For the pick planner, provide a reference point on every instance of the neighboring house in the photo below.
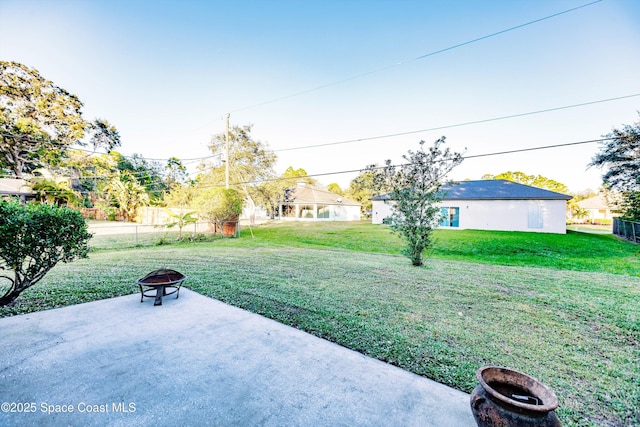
(597, 209)
(16, 188)
(493, 205)
(304, 202)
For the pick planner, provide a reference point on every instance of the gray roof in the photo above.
(493, 189)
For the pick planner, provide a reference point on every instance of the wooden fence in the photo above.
(627, 229)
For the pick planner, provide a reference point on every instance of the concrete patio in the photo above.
(196, 361)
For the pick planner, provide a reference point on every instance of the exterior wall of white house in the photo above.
(345, 213)
(540, 216)
(595, 215)
(320, 212)
(597, 210)
(380, 209)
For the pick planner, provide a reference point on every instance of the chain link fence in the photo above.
(114, 234)
(627, 229)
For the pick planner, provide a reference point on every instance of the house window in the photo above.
(450, 217)
(535, 217)
(323, 211)
(288, 211)
(306, 211)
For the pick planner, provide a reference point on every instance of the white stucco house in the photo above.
(304, 202)
(12, 187)
(598, 209)
(493, 205)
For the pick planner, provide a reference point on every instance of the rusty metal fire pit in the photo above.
(506, 397)
(159, 281)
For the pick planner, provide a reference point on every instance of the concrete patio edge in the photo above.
(197, 361)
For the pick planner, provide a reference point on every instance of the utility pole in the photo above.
(226, 141)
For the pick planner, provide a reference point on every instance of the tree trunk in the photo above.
(13, 158)
(251, 203)
(9, 298)
(18, 285)
(252, 210)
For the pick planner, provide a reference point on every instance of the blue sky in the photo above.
(165, 73)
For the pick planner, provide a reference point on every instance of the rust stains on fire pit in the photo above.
(158, 281)
(506, 397)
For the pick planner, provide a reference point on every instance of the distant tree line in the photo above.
(72, 161)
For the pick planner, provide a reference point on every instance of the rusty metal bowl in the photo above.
(159, 281)
(162, 276)
(506, 397)
(503, 384)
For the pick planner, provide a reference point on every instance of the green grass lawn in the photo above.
(562, 308)
(573, 251)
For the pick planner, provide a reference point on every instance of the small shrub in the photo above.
(33, 239)
(220, 205)
(602, 222)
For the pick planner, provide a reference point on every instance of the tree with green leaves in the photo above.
(335, 189)
(148, 173)
(620, 156)
(219, 205)
(291, 176)
(271, 193)
(361, 189)
(538, 181)
(176, 173)
(39, 121)
(93, 171)
(127, 195)
(250, 161)
(55, 192)
(33, 239)
(88, 172)
(415, 189)
(180, 220)
(574, 211)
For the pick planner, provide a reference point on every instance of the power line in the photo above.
(411, 132)
(350, 141)
(507, 30)
(497, 153)
(475, 122)
(544, 147)
(397, 64)
(387, 68)
(133, 156)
